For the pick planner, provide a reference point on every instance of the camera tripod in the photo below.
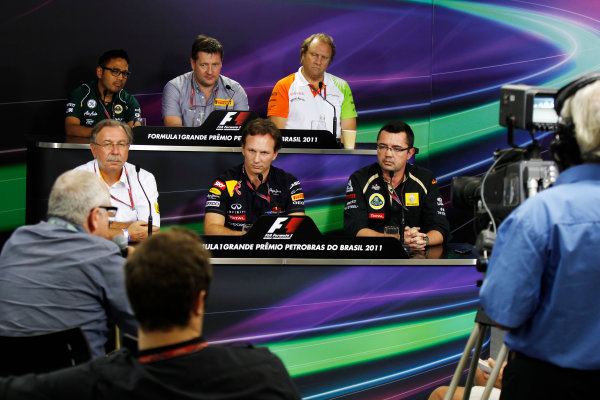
(482, 324)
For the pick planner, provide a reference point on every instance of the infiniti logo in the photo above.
(236, 206)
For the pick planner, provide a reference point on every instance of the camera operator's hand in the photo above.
(414, 239)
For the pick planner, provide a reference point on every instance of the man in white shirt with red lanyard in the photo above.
(130, 188)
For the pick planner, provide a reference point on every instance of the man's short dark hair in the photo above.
(164, 277)
(260, 126)
(207, 45)
(397, 127)
(322, 37)
(112, 54)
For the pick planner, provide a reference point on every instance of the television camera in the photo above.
(516, 173)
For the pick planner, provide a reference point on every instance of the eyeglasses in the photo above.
(111, 211)
(396, 149)
(116, 72)
(109, 145)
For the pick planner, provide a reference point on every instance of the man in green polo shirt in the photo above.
(103, 98)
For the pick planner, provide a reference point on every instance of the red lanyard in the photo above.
(392, 191)
(104, 108)
(262, 196)
(192, 95)
(128, 189)
(315, 91)
(172, 353)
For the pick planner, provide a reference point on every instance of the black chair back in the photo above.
(43, 353)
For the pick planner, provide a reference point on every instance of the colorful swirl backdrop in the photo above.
(437, 64)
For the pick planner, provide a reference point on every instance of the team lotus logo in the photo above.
(283, 228)
(91, 103)
(118, 109)
(376, 201)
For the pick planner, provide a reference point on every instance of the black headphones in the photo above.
(564, 148)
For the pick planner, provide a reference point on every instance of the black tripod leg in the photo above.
(474, 361)
(478, 330)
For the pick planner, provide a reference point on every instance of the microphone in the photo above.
(122, 243)
(230, 89)
(334, 112)
(402, 206)
(137, 170)
(260, 178)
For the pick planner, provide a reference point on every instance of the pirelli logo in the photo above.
(299, 196)
(224, 102)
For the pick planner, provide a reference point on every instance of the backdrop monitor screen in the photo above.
(349, 331)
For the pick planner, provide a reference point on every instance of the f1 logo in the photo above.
(228, 117)
(277, 224)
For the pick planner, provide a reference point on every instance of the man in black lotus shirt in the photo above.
(411, 201)
(167, 279)
(245, 192)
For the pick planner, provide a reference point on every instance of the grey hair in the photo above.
(111, 122)
(583, 108)
(74, 194)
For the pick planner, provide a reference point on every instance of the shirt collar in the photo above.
(304, 82)
(72, 226)
(162, 349)
(122, 179)
(197, 87)
(577, 173)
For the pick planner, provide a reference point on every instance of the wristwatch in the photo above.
(426, 241)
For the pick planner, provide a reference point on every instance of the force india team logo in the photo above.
(376, 201)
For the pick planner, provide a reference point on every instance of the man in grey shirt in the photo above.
(188, 99)
(64, 272)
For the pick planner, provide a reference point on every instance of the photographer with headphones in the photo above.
(543, 278)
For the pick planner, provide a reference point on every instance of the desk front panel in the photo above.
(348, 329)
